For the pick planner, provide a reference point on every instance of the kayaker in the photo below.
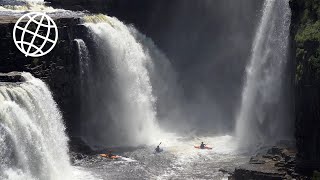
(158, 148)
(110, 154)
(202, 146)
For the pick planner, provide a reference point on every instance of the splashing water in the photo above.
(123, 105)
(262, 117)
(32, 133)
(34, 144)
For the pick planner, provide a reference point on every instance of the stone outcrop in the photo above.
(305, 33)
(277, 163)
(12, 77)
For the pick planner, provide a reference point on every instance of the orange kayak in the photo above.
(112, 157)
(206, 147)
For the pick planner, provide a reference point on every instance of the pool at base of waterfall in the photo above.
(179, 160)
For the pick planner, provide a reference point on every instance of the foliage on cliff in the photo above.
(306, 33)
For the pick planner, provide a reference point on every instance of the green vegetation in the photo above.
(309, 32)
(307, 38)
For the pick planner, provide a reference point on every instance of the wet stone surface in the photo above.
(277, 163)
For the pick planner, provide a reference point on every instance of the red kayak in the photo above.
(206, 147)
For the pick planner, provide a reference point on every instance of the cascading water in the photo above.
(262, 118)
(165, 86)
(122, 103)
(83, 59)
(32, 133)
(86, 84)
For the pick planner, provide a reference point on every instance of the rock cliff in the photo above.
(59, 69)
(305, 33)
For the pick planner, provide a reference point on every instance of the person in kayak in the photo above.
(110, 154)
(202, 146)
(158, 148)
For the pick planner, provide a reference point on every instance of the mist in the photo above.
(208, 44)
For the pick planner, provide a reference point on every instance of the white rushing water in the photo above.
(261, 118)
(121, 105)
(33, 141)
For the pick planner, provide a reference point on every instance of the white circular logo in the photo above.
(35, 34)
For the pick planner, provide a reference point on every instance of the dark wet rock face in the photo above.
(59, 69)
(305, 34)
(78, 145)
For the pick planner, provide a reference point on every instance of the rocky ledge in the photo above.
(12, 77)
(59, 69)
(277, 163)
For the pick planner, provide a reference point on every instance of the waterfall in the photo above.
(121, 102)
(165, 85)
(32, 134)
(262, 117)
(84, 61)
(83, 53)
(86, 85)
